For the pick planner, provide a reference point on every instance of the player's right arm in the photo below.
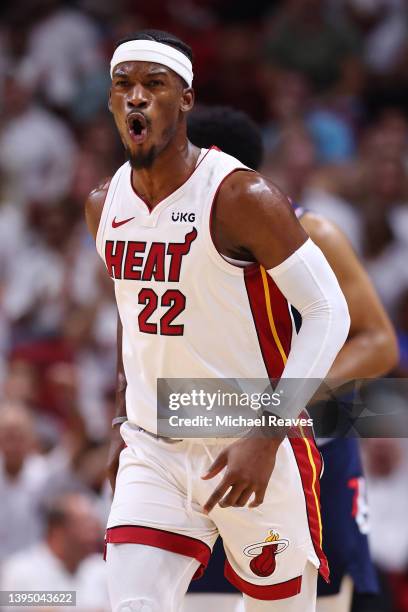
(116, 442)
(94, 206)
(93, 211)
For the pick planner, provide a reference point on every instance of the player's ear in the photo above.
(187, 100)
(110, 101)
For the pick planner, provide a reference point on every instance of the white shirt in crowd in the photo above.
(38, 569)
(388, 270)
(38, 168)
(388, 499)
(20, 521)
(74, 41)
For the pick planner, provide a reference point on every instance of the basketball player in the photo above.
(370, 351)
(172, 226)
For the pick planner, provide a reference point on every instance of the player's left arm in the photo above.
(254, 220)
(371, 348)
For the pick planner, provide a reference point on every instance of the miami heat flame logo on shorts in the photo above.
(263, 562)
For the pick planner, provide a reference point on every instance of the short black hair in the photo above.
(159, 36)
(231, 130)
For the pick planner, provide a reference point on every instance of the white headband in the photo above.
(152, 51)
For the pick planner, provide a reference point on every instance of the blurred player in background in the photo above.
(185, 303)
(370, 351)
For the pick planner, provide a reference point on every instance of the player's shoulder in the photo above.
(94, 205)
(247, 204)
(250, 186)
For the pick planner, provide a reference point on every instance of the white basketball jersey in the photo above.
(186, 312)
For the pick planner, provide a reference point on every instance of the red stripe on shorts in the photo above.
(309, 463)
(268, 592)
(167, 540)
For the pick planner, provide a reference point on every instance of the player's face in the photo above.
(147, 101)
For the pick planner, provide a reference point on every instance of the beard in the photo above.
(142, 159)
(139, 160)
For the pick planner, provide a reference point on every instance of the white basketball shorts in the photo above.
(159, 498)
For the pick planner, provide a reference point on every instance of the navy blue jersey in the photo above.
(345, 518)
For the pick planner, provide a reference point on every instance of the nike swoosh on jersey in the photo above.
(119, 223)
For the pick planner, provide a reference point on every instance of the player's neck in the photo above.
(168, 172)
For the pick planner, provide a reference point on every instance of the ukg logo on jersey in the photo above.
(182, 217)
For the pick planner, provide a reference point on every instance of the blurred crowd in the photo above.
(327, 82)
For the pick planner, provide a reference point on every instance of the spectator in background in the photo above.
(293, 162)
(386, 472)
(90, 329)
(290, 102)
(62, 52)
(385, 219)
(49, 274)
(21, 384)
(234, 78)
(23, 476)
(28, 474)
(37, 149)
(68, 559)
(382, 27)
(59, 307)
(13, 233)
(368, 199)
(69, 450)
(301, 37)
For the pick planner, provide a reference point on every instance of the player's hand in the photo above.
(249, 463)
(115, 447)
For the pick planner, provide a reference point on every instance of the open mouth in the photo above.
(137, 127)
